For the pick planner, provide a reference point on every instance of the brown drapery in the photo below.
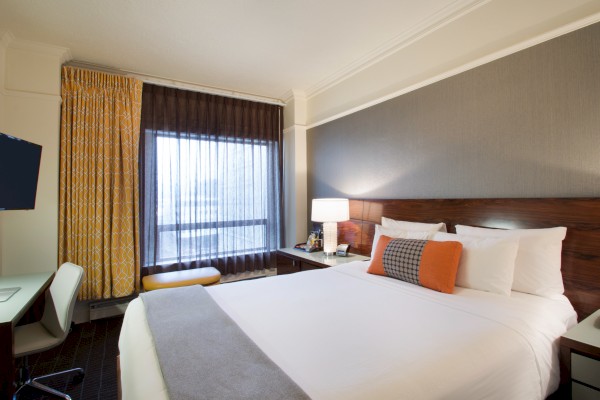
(99, 197)
(212, 187)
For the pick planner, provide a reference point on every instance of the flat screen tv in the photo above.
(19, 169)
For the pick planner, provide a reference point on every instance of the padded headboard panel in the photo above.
(581, 216)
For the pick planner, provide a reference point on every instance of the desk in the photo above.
(11, 311)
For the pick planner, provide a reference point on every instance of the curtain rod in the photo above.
(173, 83)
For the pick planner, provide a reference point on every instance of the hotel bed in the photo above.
(342, 333)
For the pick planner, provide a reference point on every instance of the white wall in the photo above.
(30, 109)
(295, 170)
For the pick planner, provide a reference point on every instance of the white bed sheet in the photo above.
(341, 333)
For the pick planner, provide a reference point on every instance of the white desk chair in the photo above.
(54, 326)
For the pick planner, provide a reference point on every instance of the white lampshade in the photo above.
(330, 210)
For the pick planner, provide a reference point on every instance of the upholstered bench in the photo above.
(199, 276)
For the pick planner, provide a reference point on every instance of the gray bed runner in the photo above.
(204, 354)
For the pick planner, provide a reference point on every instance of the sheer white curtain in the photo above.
(212, 181)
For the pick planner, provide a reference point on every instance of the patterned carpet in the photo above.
(92, 346)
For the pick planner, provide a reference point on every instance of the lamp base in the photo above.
(329, 237)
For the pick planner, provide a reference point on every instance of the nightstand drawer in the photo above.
(585, 369)
(304, 266)
(581, 392)
(287, 265)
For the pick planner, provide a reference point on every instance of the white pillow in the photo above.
(397, 234)
(486, 264)
(537, 267)
(412, 226)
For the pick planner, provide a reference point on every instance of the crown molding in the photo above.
(177, 84)
(62, 53)
(204, 89)
(287, 96)
(427, 26)
(582, 23)
(294, 94)
(299, 94)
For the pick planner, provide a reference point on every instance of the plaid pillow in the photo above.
(421, 262)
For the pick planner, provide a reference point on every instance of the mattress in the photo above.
(341, 333)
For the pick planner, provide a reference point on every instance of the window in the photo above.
(211, 189)
(202, 215)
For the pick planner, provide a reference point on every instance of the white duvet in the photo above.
(341, 333)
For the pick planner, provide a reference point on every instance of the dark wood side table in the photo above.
(290, 260)
(580, 355)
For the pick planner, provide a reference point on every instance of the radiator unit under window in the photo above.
(108, 308)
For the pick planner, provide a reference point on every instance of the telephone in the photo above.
(343, 250)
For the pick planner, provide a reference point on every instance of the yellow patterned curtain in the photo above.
(98, 216)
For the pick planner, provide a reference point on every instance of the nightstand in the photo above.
(580, 353)
(290, 260)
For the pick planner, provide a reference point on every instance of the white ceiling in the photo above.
(260, 47)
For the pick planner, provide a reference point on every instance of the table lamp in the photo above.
(330, 212)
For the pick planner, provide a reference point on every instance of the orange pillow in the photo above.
(421, 262)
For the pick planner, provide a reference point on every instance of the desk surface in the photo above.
(11, 311)
(31, 286)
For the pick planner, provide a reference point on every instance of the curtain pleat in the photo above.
(212, 182)
(99, 184)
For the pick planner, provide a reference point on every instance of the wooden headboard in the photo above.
(581, 216)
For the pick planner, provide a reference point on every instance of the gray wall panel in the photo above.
(526, 125)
